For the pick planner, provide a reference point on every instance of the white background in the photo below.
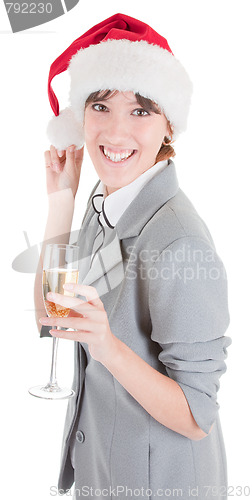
(213, 162)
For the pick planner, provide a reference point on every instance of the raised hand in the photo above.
(63, 169)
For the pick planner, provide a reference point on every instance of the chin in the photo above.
(114, 184)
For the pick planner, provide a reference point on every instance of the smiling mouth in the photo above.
(117, 157)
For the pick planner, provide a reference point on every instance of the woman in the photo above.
(151, 307)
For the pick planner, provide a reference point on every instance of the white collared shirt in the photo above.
(117, 202)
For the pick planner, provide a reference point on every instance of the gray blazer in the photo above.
(170, 307)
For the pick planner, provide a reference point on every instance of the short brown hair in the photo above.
(166, 151)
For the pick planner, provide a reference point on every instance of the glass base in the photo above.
(51, 392)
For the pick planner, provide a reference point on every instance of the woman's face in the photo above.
(122, 138)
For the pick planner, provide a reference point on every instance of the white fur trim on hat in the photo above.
(124, 65)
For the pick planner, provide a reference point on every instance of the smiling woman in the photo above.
(122, 137)
(148, 323)
(166, 150)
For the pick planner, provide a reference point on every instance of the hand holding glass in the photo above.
(60, 267)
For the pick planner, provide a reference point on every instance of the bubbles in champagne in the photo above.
(53, 281)
(56, 311)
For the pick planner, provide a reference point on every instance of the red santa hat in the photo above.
(119, 53)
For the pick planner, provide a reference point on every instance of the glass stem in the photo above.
(53, 381)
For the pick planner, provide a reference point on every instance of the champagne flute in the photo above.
(60, 267)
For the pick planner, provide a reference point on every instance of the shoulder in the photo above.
(177, 219)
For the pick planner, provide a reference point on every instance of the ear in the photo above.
(169, 130)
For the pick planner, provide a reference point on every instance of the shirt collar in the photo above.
(111, 207)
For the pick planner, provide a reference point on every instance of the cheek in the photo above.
(151, 137)
(151, 133)
(143, 133)
(90, 127)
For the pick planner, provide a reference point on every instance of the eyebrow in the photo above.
(130, 103)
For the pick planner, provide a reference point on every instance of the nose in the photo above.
(117, 129)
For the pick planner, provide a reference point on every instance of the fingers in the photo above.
(47, 159)
(88, 324)
(79, 157)
(69, 302)
(52, 159)
(80, 336)
(55, 159)
(89, 292)
(76, 304)
(70, 158)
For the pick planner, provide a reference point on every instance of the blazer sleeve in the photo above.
(189, 313)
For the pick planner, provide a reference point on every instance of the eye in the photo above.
(99, 107)
(140, 112)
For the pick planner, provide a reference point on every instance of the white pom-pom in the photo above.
(64, 130)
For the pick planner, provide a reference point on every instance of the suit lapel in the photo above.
(107, 271)
(85, 242)
(160, 188)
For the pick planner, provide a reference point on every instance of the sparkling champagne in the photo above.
(53, 281)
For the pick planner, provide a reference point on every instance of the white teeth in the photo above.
(116, 157)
